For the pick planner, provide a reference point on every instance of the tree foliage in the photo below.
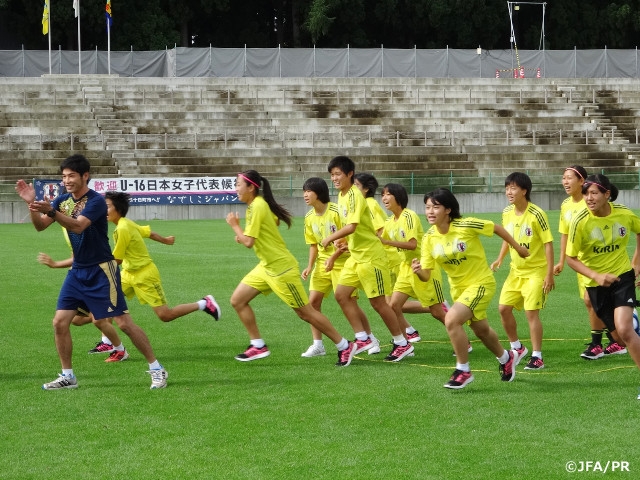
(157, 24)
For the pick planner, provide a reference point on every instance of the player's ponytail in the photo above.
(257, 180)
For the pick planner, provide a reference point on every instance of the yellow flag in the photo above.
(45, 18)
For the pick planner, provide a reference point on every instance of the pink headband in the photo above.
(249, 180)
(579, 174)
(590, 182)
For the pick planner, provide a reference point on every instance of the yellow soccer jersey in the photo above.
(531, 230)
(377, 213)
(568, 210)
(318, 227)
(129, 244)
(261, 225)
(364, 244)
(459, 251)
(406, 227)
(602, 241)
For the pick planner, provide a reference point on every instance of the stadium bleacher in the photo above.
(467, 132)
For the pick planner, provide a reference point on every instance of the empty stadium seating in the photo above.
(465, 133)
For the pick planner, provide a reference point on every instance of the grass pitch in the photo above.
(287, 417)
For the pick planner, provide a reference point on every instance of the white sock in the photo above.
(400, 340)
(201, 304)
(463, 366)
(258, 343)
(318, 343)
(67, 372)
(362, 336)
(504, 358)
(344, 343)
(516, 344)
(106, 340)
(537, 354)
(410, 330)
(372, 337)
(120, 348)
(155, 366)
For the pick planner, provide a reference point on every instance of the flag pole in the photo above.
(49, 34)
(79, 49)
(109, 46)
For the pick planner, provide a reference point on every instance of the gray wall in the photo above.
(470, 203)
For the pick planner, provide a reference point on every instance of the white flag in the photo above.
(76, 7)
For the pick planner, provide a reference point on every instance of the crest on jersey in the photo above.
(50, 191)
(528, 232)
(461, 246)
(622, 231)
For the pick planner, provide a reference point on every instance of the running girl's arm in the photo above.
(343, 232)
(549, 283)
(503, 253)
(422, 273)
(506, 236)
(159, 238)
(635, 261)
(45, 259)
(330, 262)
(602, 279)
(412, 244)
(563, 254)
(233, 219)
(313, 256)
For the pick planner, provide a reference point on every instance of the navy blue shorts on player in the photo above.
(96, 288)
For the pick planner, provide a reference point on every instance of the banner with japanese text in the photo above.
(158, 191)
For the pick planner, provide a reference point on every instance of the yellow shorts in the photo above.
(371, 277)
(427, 293)
(286, 285)
(145, 284)
(519, 291)
(394, 272)
(323, 281)
(476, 297)
(582, 285)
(326, 282)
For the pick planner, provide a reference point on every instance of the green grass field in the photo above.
(287, 417)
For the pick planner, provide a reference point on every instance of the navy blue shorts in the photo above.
(96, 288)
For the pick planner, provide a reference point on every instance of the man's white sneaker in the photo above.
(158, 378)
(63, 381)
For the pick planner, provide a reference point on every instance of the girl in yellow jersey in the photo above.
(530, 279)
(403, 232)
(278, 270)
(367, 268)
(597, 249)
(453, 243)
(368, 185)
(572, 181)
(325, 263)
